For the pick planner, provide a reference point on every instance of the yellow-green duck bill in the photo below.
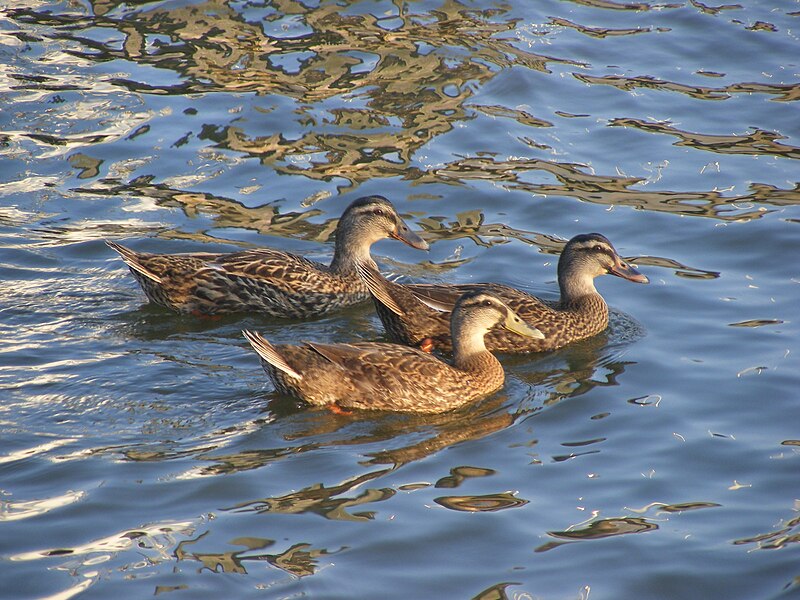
(382, 376)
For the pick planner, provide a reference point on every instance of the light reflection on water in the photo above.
(144, 453)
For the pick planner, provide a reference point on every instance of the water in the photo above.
(146, 454)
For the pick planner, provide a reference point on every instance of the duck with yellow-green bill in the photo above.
(382, 376)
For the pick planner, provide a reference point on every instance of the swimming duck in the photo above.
(383, 376)
(413, 314)
(271, 281)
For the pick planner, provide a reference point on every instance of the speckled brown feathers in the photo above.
(270, 281)
(412, 313)
(262, 281)
(380, 376)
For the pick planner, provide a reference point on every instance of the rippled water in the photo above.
(145, 454)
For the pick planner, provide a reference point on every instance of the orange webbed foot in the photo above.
(426, 345)
(205, 316)
(338, 410)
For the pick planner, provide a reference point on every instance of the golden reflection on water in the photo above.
(459, 474)
(498, 592)
(481, 503)
(447, 432)
(575, 182)
(782, 92)
(267, 219)
(600, 528)
(788, 532)
(675, 508)
(320, 499)
(223, 212)
(609, 4)
(403, 439)
(756, 142)
(372, 91)
(395, 86)
(368, 94)
(299, 560)
(599, 32)
(337, 501)
(611, 527)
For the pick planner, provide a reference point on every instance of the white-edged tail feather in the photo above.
(269, 354)
(129, 258)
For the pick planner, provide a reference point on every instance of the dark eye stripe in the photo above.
(488, 302)
(596, 248)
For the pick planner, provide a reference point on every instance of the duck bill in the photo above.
(514, 323)
(624, 270)
(405, 235)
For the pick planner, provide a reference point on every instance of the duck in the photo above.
(270, 281)
(416, 314)
(394, 377)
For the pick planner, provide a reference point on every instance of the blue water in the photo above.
(145, 453)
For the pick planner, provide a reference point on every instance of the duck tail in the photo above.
(269, 353)
(379, 288)
(132, 259)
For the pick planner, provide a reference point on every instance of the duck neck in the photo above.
(351, 247)
(469, 347)
(574, 284)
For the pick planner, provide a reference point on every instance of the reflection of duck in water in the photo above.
(382, 376)
(412, 314)
(271, 281)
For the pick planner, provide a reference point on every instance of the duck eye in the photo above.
(487, 302)
(378, 212)
(599, 248)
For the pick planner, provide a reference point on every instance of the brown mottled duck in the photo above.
(270, 281)
(412, 314)
(382, 376)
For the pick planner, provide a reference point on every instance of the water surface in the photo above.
(145, 453)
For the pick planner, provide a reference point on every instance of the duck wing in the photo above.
(281, 270)
(380, 369)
